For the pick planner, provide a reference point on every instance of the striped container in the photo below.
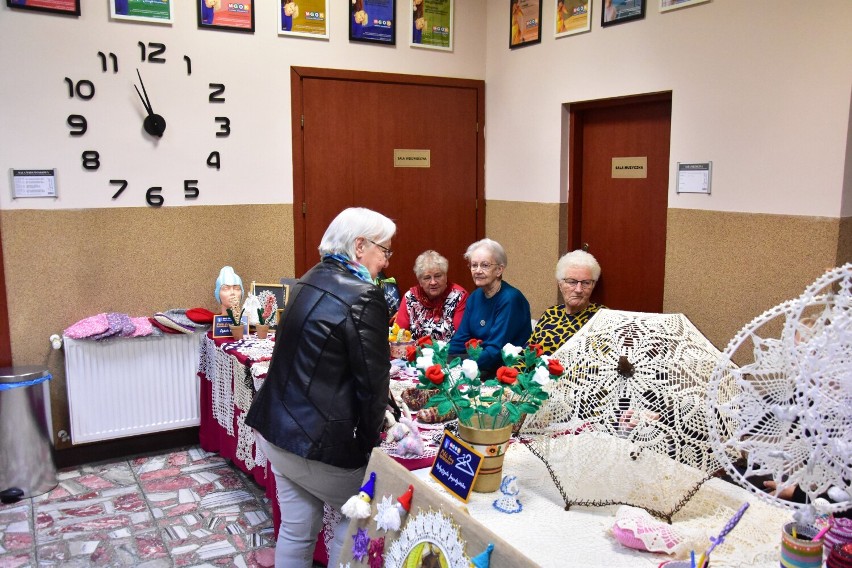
(839, 533)
(801, 551)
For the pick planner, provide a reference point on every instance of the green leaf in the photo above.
(463, 403)
(444, 407)
(528, 408)
(465, 414)
(438, 398)
(494, 409)
(512, 410)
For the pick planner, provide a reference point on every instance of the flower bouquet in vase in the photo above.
(486, 410)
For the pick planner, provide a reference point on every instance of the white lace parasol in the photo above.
(627, 424)
(792, 413)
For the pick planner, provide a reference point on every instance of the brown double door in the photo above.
(346, 126)
(621, 221)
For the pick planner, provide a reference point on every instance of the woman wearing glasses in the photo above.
(496, 312)
(320, 409)
(434, 308)
(576, 274)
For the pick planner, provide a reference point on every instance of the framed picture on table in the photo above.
(573, 17)
(524, 23)
(68, 7)
(666, 5)
(373, 21)
(620, 11)
(224, 15)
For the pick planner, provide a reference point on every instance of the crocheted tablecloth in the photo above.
(236, 370)
(582, 537)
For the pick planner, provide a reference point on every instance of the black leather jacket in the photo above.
(325, 394)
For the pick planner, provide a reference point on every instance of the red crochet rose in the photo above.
(473, 344)
(410, 353)
(435, 374)
(424, 341)
(554, 367)
(507, 375)
(539, 350)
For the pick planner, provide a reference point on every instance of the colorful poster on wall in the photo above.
(524, 22)
(306, 18)
(157, 11)
(226, 15)
(372, 21)
(432, 24)
(573, 17)
(70, 7)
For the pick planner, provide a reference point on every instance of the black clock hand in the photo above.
(154, 124)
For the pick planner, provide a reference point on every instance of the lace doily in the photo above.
(792, 411)
(435, 530)
(629, 410)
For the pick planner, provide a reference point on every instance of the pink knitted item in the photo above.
(635, 528)
(143, 326)
(87, 327)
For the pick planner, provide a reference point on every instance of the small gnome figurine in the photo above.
(358, 506)
(483, 559)
(390, 518)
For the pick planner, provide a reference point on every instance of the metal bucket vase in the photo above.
(492, 444)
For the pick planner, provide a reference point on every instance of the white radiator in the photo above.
(126, 387)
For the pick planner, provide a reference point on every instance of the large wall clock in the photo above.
(160, 86)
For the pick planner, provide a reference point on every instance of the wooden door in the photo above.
(5, 341)
(346, 127)
(622, 221)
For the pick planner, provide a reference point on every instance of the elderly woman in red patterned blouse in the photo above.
(434, 307)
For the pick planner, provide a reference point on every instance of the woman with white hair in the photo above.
(496, 313)
(576, 275)
(434, 308)
(319, 412)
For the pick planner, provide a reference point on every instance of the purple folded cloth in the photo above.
(119, 326)
(167, 321)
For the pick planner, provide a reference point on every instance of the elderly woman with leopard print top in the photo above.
(434, 307)
(576, 274)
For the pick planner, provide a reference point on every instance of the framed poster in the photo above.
(432, 24)
(666, 5)
(524, 22)
(307, 18)
(620, 11)
(573, 17)
(372, 21)
(225, 15)
(142, 11)
(68, 7)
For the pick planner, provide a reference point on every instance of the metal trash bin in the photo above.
(27, 467)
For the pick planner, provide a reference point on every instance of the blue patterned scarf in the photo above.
(355, 268)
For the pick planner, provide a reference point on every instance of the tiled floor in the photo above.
(182, 508)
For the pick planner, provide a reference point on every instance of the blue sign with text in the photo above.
(456, 466)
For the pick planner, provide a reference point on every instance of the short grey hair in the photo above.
(578, 259)
(351, 223)
(430, 259)
(493, 247)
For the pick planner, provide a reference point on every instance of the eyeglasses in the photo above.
(571, 283)
(388, 252)
(483, 265)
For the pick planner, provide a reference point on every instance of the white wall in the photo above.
(38, 50)
(760, 87)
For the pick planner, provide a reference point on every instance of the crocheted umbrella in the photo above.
(792, 413)
(628, 422)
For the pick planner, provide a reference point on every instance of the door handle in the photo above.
(585, 247)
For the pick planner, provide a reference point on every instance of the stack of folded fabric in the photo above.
(113, 324)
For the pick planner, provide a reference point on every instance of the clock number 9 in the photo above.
(78, 124)
(153, 197)
(84, 89)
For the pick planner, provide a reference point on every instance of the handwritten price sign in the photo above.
(456, 466)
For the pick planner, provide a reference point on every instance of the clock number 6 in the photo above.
(153, 197)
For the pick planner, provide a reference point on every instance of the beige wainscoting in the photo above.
(62, 266)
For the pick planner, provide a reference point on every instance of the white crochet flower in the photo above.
(511, 350)
(470, 368)
(542, 375)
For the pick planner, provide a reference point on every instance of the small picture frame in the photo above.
(667, 5)
(303, 18)
(66, 7)
(140, 11)
(432, 24)
(573, 17)
(621, 11)
(279, 292)
(372, 21)
(524, 23)
(225, 15)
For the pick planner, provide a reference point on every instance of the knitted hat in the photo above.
(483, 559)
(87, 327)
(168, 322)
(229, 277)
(200, 315)
(142, 326)
(369, 488)
(180, 316)
(161, 327)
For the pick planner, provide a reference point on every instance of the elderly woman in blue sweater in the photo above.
(496, 313)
